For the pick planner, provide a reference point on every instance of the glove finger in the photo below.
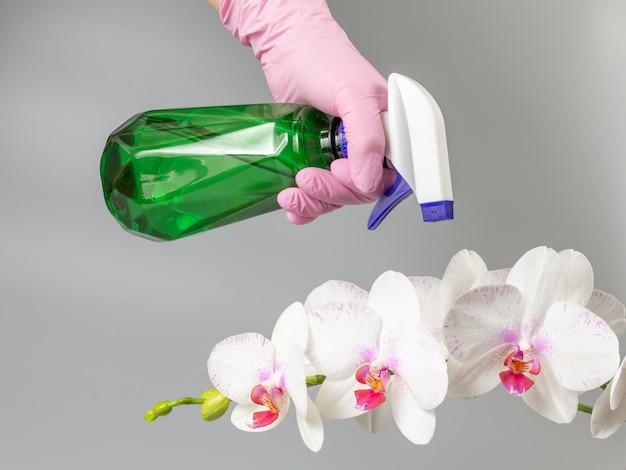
(366, 139)
(342, 172)
(324, 186)
(298, 219)
(299, 203)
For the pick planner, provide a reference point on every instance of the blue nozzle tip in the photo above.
(436, 211)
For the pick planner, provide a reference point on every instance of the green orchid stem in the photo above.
(163, 408)
(585, 408)
(313, 380)
(187, 401)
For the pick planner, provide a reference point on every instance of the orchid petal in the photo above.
(291, 328)
(581, 348)
(375, 420)
(342, 337)
(483, 319)
(618, 386)
(432, 312)
(416, 358)
(393, 297)
(242, 414)
(335, 398)
(309, 369)
(514, 383)
(335, 291)
(289, 338)
(473, 378)
(416, 424)
(461, 274)
(580, 276)
(606, 421)
(550, 399)
(609, 309)
(497, 276)
(240, 362)
(294, 378)
(541, 277)
(311, 427)
(368, 399)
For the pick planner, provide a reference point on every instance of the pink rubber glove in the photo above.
(308, 59)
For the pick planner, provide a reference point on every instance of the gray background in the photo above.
(96, 325)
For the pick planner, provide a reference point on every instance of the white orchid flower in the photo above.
(377, 358)
(264, 376)
(533, 334)
(465, 271)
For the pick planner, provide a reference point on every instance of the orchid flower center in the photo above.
(519, 363)
(272, 399)
(378, 382)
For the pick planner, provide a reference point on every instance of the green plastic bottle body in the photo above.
(173, 173)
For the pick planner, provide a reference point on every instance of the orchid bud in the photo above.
(162, 408)
(214, 406)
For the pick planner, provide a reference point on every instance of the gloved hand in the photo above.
(308, 59)
(321, 191)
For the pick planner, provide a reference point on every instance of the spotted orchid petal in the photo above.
(415, 423)
(609, 309)
(335, 291)
(496, 276)
(542, 278)
(240, 362)
(311, 427)
(483, 319)
(342, 337)
(581, 348)
(580, 276)
(465, 270)
(549, 398)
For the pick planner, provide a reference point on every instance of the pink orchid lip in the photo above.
(514, 380)
(378, 382)
(272, 399)
(368, 399)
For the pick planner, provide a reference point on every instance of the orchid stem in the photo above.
(585, 408)
(163, 408)
(187, 401)
(313, 380)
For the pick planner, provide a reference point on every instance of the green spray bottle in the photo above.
(168, 174)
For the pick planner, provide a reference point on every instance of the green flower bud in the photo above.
(162, 408)
(214, 406)
(150, 416)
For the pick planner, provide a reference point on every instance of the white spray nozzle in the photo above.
(416, 146)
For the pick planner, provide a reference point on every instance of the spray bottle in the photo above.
(173, 173)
